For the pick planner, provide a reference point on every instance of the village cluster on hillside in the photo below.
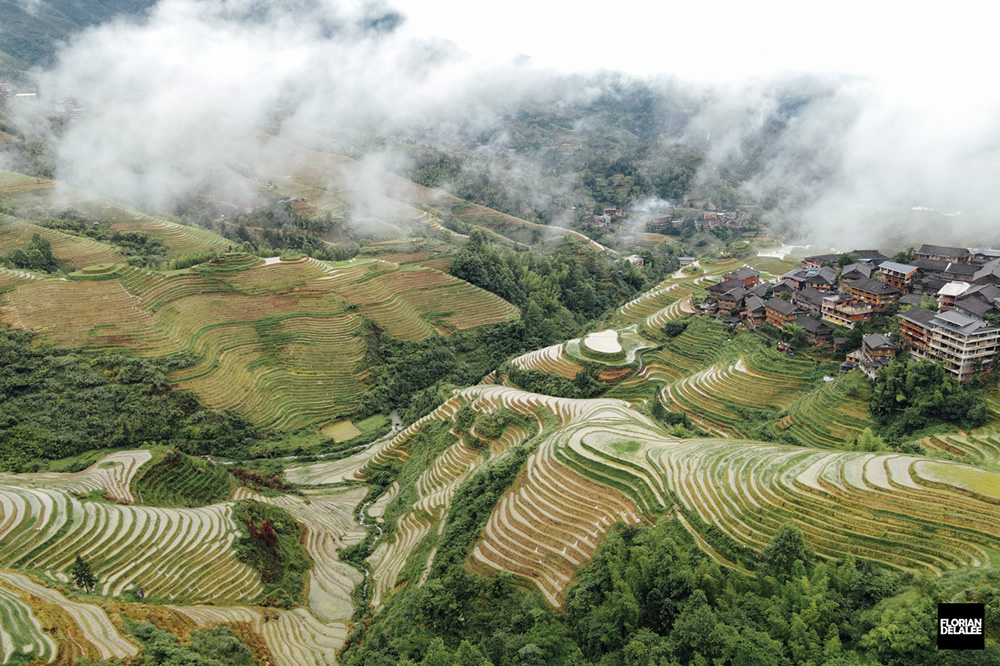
(658, 221)
(947, 299)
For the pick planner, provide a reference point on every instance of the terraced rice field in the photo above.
(549, 524)
(605, 462)
(434, 490)
(73, 252)
(171, 553)
(552, 360)
(12, 182)
(878, 507)
(713, 397)
(773, 265)
(11, 279)
(294, 638)
(82, 314)
(178, 238)
(182, 482)
(20, 632)
(831, 416)
(613, 348)
(102, 639)
(651, 302)
(981, 447)
(885, 507)
(384, 449)
(278, 343)
(113, 474)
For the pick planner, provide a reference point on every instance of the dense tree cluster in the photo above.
(37, 256)
(909, 396)
(271, 544)
(651, 597)
(584, 385)
(274, 226)
(557, 293)
(215, 646)
(55, 403)
(411, 376)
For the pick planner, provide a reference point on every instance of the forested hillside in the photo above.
(33, 31)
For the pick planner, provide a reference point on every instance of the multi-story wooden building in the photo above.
(877, 351)
(809, 299)
(747, 276)
(875, 293)
(816, 331)
(779, 312)
(900, 276)
(915, 330)
(959, 255)
(844, 311)
(754, 311)
(854, 272)
(823, 278)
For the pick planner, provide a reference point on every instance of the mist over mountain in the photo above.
(173, 98)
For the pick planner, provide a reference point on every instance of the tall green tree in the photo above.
(787, 547)
(82, 574)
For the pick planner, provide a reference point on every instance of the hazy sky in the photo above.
(912, 47)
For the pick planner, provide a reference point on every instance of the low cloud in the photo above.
(172, 99)
(169, 100)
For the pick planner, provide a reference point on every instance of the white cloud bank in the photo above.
(901, 113)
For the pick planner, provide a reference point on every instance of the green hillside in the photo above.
(33, 31)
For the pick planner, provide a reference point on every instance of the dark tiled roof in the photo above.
(823, 258)
(910, 299)
(741, 274)
(974, 306)
(943, 251)
(723, 287)
(877, 340)
(856, 271)
(759, 290)
(813, 326)
(784, 307)
(932, 284)
(825, 275)
(810, 295)
(784, 285)
(991, 269)
(918, 315)
(931, 265)
(753, 304)
(961, 270)
(737, 294)
(868, 254)
(872, 286)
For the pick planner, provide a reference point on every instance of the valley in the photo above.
(283, 342)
